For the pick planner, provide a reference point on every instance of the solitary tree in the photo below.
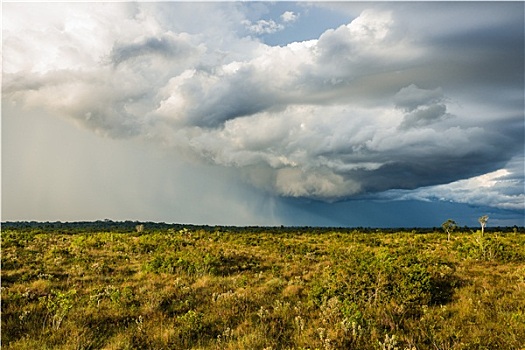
(449, 226)
(483, 222)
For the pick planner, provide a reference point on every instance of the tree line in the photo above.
(130, 226)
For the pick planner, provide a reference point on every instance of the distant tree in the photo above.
(483, 222)
(449, 226)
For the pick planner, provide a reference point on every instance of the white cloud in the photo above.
(263, 26)
(270, 26)
(289, 17)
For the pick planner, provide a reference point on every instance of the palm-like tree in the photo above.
(449, 226)
(483, 222)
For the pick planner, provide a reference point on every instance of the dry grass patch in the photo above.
(198, 289)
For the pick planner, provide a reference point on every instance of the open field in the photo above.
(192, 288)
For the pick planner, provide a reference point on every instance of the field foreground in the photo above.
(262, 289)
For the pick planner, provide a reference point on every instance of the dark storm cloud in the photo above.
(398, 98)
(424, 116)
(167, 46)
(422, 107)
(483, 49)
(411, 97)
(219, 100)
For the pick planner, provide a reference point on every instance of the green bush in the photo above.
(490, 248)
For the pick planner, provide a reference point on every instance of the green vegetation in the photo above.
(261, 288)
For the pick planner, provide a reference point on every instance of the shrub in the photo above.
(256, 289)
(58, 304)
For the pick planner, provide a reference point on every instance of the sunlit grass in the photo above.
(197, 289)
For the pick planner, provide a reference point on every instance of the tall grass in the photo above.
(197, 289)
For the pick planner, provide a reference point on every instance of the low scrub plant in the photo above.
(255, 288)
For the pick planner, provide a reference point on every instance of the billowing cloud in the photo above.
(378, 104)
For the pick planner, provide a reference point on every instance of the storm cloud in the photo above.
(386, 102)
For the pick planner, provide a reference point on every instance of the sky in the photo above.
(388, 114)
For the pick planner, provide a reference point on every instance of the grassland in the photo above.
(265, 289)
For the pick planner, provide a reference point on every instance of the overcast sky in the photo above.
(251, 113)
